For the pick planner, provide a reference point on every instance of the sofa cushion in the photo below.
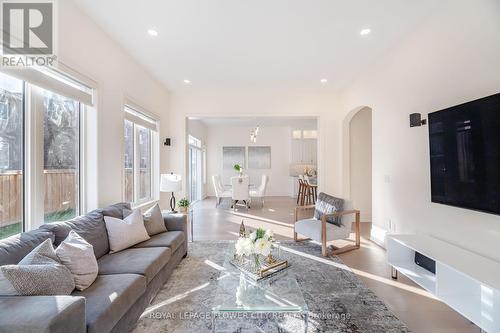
(116, 210)
(144, 261)
(171, 239)
(109, 298)
(36, 314)
(90, 227)
(15, 248)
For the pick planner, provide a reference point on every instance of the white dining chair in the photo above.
(240, 191)
(220, 191)
(260, 192)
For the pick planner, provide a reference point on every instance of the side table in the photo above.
(190, 217)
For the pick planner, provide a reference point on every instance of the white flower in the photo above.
(269, 234)
(253, 236)
(263, 246)
(244, 247)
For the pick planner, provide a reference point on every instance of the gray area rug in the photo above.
(337, 300)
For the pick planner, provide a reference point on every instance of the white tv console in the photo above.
(467, 282)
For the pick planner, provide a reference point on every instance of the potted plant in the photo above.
(183, 205)
(239, 169)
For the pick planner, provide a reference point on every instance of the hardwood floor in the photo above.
(412, 304)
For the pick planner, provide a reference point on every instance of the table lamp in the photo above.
(171, 183)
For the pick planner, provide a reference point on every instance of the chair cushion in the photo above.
(15, 248)
(109, 298)
(171, 239)
(226, 194)
(145, 261)
(312, 229)
(90, 227)
(327, 204)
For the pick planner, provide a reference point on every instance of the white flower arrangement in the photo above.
(258, 242)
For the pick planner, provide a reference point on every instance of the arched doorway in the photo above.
(357, 153)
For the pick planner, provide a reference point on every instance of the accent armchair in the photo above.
(330, 222)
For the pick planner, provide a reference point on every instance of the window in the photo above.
(61, 158)
(11, 155)
(40, 135)
(140, 157)
(129, 162)
(195, 169)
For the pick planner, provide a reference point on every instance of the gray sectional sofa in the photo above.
(126, 283)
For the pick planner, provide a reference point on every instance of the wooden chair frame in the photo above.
(324, 249)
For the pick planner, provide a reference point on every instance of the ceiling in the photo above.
(295, 122)
(277, 44)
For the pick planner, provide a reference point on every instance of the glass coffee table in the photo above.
(238, 295)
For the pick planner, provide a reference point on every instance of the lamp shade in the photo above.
(170, 183)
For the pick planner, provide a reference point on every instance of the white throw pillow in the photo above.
(125, 233)
(78, 256)
(153, 220)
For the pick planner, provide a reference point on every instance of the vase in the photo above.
(256, 263)
(183, 210)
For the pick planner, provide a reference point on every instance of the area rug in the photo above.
(337, 300)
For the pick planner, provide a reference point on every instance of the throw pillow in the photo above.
(125, 233)
(153, 221)
(78, 256)
(38, 274)
(327, 204)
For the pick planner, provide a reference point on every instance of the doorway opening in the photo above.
(358, 160)
(195, 171)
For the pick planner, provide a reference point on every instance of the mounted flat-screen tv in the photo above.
(465, 155)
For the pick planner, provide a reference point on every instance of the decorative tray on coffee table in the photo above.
(268, 266)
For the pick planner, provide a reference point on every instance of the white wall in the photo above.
(278, 138)
(257, 103)
(360, 137)
(452, 59)
(197, 129)
(85, 48)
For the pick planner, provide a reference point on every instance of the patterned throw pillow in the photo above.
(78, 256)
(38, 274)
(327, 204)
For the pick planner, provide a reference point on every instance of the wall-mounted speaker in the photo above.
(416, 120)
(167, 142)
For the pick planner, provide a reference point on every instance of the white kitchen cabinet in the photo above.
(304, 151)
